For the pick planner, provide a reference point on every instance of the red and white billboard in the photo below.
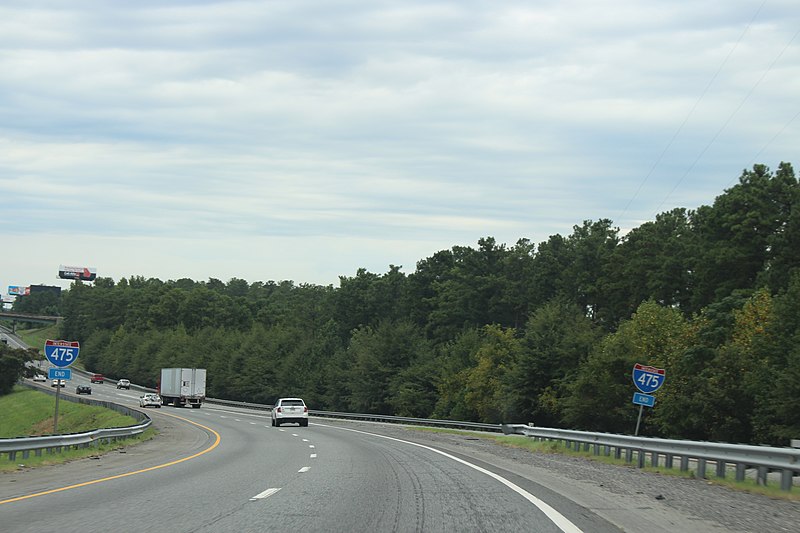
(17, 290)
(80, 273)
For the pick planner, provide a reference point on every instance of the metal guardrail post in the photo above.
(764, 459)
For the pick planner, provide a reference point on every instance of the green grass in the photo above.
(66, 456)
(748, 485)
(36, 337)
(28, 412)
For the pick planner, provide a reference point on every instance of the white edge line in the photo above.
(266, 494)
(563, 523)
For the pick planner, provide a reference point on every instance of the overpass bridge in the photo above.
(25, 317)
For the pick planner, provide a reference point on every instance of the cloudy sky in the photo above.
(304, 139)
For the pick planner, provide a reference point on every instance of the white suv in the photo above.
(290, 410)
(124, 384)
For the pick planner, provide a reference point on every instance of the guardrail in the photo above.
(451, 424)
(57, 443)
(764, 459)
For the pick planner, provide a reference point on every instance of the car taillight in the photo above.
(279, 410)
(305, 409)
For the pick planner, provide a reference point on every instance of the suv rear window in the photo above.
(293, 403)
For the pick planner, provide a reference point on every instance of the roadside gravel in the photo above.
(632, 499)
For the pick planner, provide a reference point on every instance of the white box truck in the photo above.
(182, 386)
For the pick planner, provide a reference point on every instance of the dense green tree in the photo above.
(738, 235)
(558, 338)
(12, 366)
(493, 332)
(455, 361)
(652, 262)
(587, 279)
(776, 346)
(378, 354)
(600, 395)
(38, 303)
(550, 264)
(486, 384)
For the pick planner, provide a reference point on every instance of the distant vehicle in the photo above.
(181, 386)
(58, 383)
(39, 377)
(123, 384)
(150, 400)
(83, 389)
(290, 410)
(97, 378)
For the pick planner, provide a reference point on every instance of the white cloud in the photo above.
(372, 132)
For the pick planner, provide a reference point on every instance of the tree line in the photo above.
(545, 333)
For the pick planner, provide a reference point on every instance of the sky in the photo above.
(302, 140)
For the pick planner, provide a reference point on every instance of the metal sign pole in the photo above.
(55, 418)
(638, 421)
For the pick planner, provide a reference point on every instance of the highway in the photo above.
(219, 469)
(229, 470)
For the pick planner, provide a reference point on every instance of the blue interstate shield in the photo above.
(647, 379)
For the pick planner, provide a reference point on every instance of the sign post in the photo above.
(647, 379)
(61, 354)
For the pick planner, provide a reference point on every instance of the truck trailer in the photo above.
(182, 386)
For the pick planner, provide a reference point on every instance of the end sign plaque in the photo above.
(61, 353)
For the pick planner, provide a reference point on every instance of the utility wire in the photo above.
(755, 157)
(691, 111)
(730, 117)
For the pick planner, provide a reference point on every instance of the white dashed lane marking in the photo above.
(266, 494)
(304, 469)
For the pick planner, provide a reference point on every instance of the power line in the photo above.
(691, 111)
(730, 117)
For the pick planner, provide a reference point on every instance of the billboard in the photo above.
(79, 273)
(16, 290)
(45, 288)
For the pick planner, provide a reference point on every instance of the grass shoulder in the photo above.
(74, 454)
(36, 337)
(29, 413)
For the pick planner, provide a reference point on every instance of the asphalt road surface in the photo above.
(218, 469)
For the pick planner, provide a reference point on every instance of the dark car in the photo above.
(83, 389)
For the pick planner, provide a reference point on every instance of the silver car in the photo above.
(290, 410)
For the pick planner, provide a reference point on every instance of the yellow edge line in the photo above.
(216, 443)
